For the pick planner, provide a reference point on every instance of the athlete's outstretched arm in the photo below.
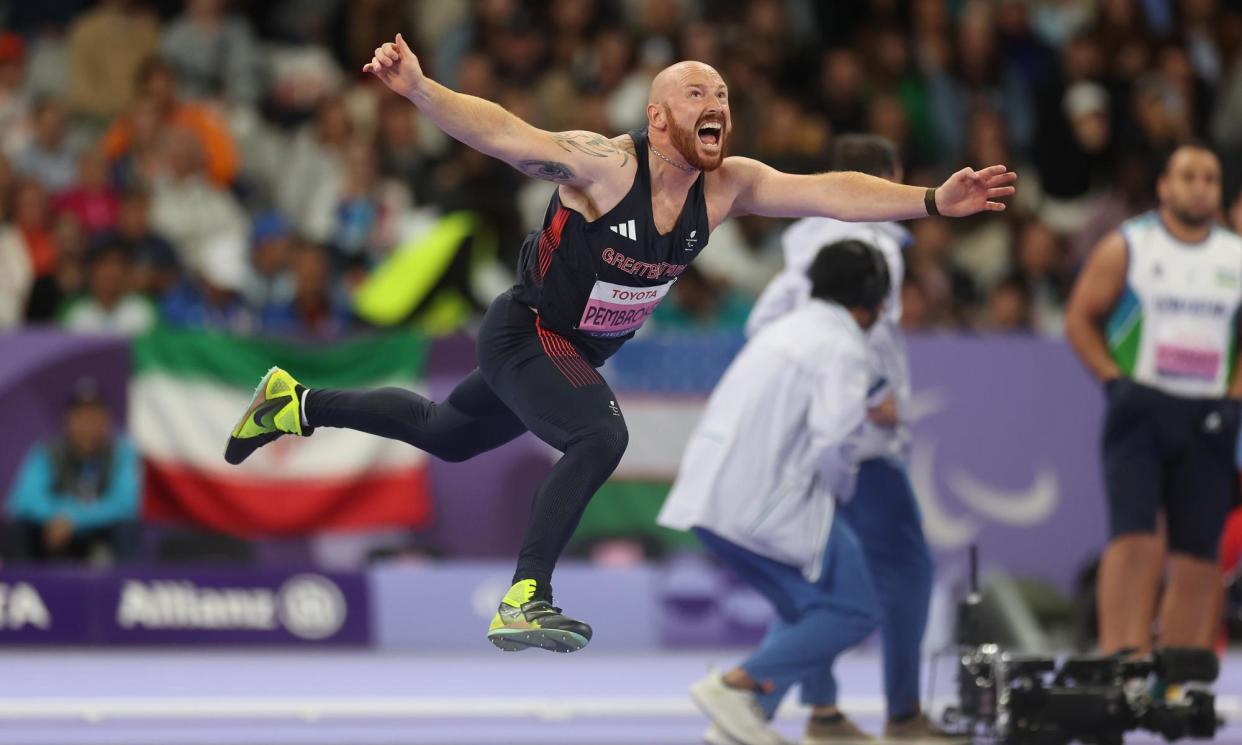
(577, 158)
(760, 189)
(1096, 292)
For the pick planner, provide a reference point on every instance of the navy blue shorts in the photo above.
(1165, 453)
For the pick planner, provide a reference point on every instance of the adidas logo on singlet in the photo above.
(626, 229)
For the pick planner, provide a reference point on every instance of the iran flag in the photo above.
(188, 391)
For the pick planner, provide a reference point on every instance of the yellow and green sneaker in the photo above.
(275, 410)
(524, 622)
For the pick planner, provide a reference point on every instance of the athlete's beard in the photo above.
(1193, 219)
(686, 142)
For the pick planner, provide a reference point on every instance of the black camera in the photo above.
(1035, 700)
(1029, 700)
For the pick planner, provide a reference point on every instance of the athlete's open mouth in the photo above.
(709, 133)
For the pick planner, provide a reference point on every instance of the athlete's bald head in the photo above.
(688, 111)
(671, 79)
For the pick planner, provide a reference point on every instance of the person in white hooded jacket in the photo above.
(758, 485)
(883, 511)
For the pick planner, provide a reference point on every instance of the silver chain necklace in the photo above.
(678, 166)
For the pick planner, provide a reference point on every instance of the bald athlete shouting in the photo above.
(630, 214)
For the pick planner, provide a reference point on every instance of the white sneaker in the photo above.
(716, 736)
(736, 713)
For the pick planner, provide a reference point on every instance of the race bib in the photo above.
(1185, 362)
(616, 310)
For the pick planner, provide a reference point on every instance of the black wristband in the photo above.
(929, 199)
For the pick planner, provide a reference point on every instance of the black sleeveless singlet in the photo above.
(595, 283)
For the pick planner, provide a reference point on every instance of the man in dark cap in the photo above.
(76, 496)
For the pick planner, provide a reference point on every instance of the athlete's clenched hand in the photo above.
(397, 66)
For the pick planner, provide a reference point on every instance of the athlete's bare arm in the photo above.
(578, 158)
(1235, 385)
(754, 188)
(1096, 292)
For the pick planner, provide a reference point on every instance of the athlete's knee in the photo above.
(439, 433)
(607, 440)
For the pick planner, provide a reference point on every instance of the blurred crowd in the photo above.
(227, 165)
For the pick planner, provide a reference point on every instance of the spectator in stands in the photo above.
(1040, 268)
(107, 46)
(210, 296)
(14, 101)
(977, 70)
(32, 216)
(154, 268)
(271, 281)
(1122, 31)
(841, 91)
(1076, 154)
(136, 166)
(358, 233)
(1029, 55)
(110, 306)
(213, 53)
(573, 24)
(77, 495)
(792, 139)
(948, 290)
(1009, 307)
(16, 268)
(915, 315)
(1159, 122)
(315, 310)
(91, 198)
(401, 156)
(158, 110)
(894, 74)
(48, 157)
(1228, 112)
(72, 247)
(310, 179)
(983, 247)
(746, 254)
(188, 208)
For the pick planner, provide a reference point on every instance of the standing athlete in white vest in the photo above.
(1154, 316)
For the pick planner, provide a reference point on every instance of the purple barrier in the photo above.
(621, 604)
(1004, 451)
(50, 606)
(1005, 454)
(191, 606)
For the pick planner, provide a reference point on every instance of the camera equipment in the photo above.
(1030, 700)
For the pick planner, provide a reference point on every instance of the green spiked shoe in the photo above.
(275, 410)
(522, 623)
